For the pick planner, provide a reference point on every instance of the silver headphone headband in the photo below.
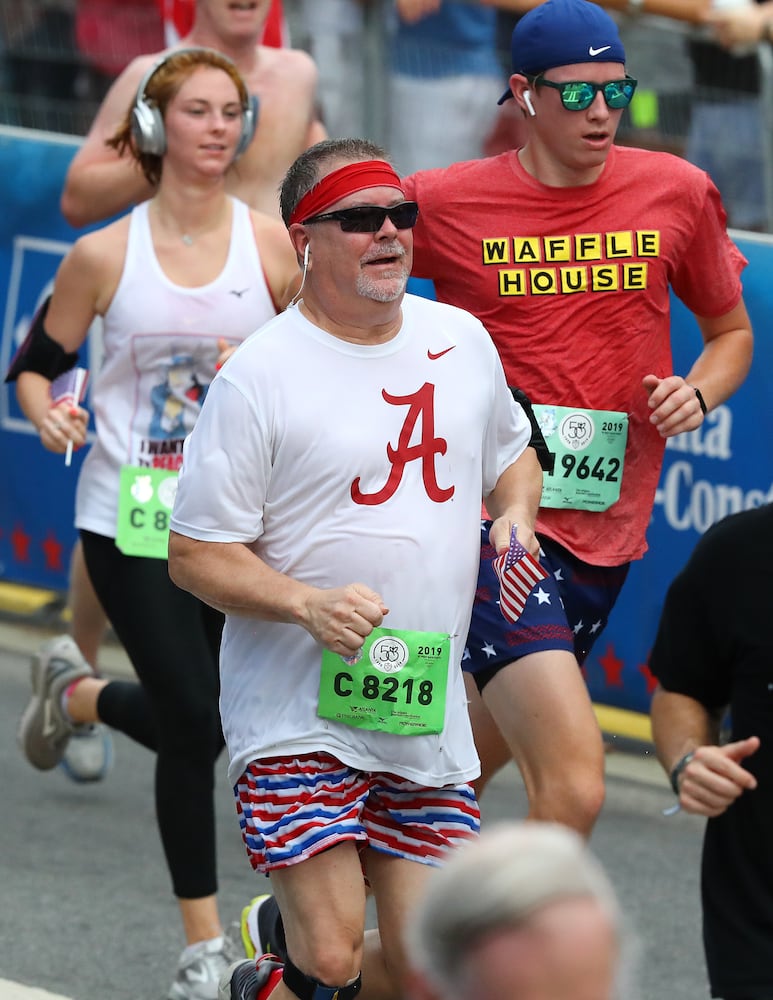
(150, 73)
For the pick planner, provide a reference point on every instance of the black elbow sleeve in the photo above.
(39, 353)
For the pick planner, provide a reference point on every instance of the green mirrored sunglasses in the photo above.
(577, 95)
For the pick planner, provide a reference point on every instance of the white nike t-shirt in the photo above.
(340, 463)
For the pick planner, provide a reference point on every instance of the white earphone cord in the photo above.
(297, 295)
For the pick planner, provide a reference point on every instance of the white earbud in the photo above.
(527, 102)
(306, 253)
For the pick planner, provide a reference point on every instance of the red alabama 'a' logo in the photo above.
(421, 404)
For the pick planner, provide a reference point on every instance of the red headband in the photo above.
(346, 180)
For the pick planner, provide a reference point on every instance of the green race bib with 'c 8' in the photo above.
(395, 684)
(589, 446)
(145, 504)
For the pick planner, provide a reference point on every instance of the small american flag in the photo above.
(518, 573)
(69, 387)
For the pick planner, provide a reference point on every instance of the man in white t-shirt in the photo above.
(329, 504)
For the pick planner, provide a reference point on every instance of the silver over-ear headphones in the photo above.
(527, 102)
(147, 122)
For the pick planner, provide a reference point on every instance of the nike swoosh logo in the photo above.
(434, 357)
(49, 726)
(597, 52)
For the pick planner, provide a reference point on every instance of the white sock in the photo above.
(64, 697)
(211, 944)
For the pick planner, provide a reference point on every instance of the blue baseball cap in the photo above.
(561, 33)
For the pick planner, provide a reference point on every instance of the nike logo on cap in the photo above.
(597, 52)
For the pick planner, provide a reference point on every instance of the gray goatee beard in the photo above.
(390, 285)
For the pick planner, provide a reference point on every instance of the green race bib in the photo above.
(145, 502)
(589, 446)
(395, 684)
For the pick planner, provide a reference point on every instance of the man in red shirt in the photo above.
(567, 250)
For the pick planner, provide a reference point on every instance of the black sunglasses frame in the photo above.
(628, 81)
(370, 218)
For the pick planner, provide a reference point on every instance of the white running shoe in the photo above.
(200, 969)
(44, 730)
(88, 755)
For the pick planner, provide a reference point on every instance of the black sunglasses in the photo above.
(370, 218)
(577, 95)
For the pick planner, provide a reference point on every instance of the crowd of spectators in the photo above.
(58, 58)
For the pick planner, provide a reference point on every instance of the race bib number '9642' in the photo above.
(145, 504)
(589, 446)
(396, 683)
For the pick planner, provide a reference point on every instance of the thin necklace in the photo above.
(185, 238)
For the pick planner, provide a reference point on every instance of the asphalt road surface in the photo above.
(86, 911)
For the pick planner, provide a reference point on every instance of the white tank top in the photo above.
(160, 351)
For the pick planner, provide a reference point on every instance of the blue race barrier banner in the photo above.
(37, 501)
(725, 466)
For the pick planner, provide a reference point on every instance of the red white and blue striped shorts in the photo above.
(291, 808)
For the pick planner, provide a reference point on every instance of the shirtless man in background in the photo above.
(100, 183)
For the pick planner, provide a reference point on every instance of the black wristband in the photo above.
(677, 769)
(701, 401)
(547, 458)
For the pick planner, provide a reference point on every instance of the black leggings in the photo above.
(172, 640)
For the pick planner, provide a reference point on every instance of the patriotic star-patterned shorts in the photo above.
(291, 808)
(567, 610)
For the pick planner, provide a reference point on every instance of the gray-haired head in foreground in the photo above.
(307, 169)
(501, 880)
